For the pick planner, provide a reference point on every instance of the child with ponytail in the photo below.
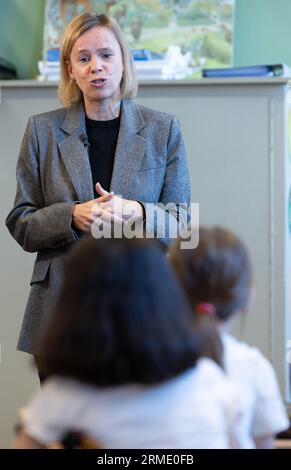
(217, 280)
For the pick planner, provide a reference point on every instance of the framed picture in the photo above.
(201, 29)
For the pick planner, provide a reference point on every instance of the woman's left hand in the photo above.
(119, 207)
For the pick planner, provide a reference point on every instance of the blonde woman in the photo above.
(98, 147)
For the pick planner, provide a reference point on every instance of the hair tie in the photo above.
(205, 307)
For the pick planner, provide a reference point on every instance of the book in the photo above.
(145, 54)
(266, 70)
(150, 69)
(49, 70)
(53, 55)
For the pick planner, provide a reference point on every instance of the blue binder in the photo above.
(272, 70)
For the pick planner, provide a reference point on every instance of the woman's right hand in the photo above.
(84, 214)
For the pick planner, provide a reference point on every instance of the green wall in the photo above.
(21, 34)
(262, 32)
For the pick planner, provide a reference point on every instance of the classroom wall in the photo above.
(262, 32)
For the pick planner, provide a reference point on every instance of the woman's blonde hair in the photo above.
(69, 92)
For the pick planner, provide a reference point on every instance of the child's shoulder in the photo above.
(246, 359)
(209, 372)
(214, 383)
(243, 350)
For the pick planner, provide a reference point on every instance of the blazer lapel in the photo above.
(129, 151)
(75, 154)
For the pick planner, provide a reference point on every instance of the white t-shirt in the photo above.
(253, 376)
(194, 410)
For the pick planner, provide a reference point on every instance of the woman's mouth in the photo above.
(99, 82)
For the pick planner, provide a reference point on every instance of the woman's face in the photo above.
(96, 65)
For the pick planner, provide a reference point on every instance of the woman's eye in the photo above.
(107, 55)
(84, 59)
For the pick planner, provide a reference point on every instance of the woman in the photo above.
(123, 359)
(135, 152)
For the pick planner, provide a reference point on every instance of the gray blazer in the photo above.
(53, 172)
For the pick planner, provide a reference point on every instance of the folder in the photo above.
(272, 70)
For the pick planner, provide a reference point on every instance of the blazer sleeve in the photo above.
(170, 216)
(34, 226)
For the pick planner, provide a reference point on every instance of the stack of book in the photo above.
(50, 67)
(49, 71)
(149, 65)
(150, 70)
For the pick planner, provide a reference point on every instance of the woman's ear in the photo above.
(69, 69)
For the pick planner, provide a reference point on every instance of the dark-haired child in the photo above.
(123, 360)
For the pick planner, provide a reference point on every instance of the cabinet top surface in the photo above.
(145, 83)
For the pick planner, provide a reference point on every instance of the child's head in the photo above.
(217, 272)
(121, 317)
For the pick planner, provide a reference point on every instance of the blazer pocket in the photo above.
(151, 168)
(40, 270)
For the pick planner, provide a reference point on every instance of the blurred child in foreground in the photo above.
(122, 358)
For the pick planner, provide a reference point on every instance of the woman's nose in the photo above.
(96, 64)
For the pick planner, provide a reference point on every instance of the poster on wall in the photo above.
(168, 38)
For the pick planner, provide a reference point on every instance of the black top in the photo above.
(102, 137)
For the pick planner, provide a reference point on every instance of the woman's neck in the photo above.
(102, 111)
